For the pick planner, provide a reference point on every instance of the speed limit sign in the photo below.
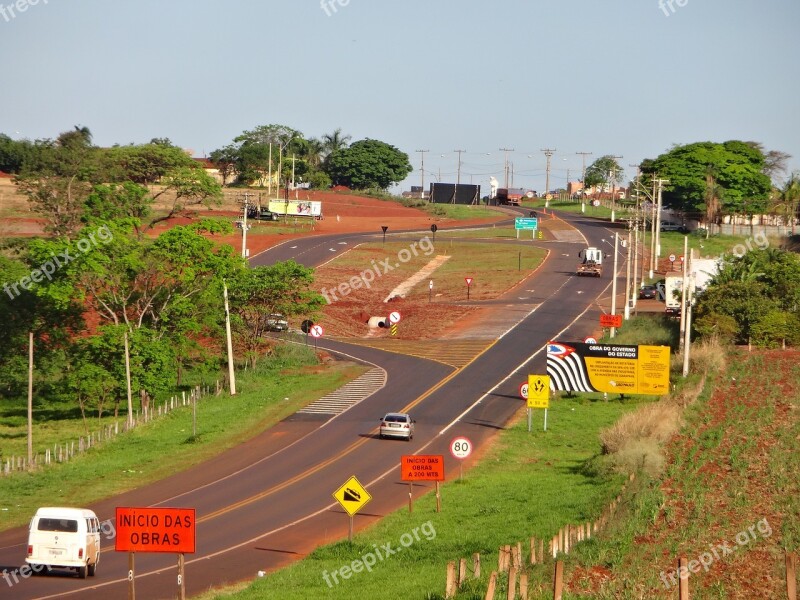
(461, 447)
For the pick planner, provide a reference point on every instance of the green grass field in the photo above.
(275, 389)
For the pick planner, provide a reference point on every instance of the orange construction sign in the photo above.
(155, 530)
(422, 467)
(610, 320)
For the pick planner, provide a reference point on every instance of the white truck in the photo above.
(591, 262)
(673, 288)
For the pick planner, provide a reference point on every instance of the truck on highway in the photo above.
(591, 262)
(512, 196)
(673, 288)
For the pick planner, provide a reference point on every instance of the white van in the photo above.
(64, 538)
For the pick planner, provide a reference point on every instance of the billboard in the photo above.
(615, 369)
(296, 208)
(455, 193)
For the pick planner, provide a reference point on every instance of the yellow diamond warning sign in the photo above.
(538, 391)
(352, 496)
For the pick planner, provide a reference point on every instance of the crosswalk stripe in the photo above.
(348, 395)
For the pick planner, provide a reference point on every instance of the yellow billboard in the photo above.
(616, 369)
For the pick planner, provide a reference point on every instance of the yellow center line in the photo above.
(351, 448)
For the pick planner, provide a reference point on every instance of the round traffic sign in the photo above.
(394, 316)
(590, 340)
(523, 391)
(595, 202)
(316, 331)
(434, 227)
(461, 447)
(671, 258)
(306, 325)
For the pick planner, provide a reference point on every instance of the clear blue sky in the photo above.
(624, 77)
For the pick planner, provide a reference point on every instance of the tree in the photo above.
(331, 142)
(187, 186)
(225, 160)
(740, 173)
(604, 171)
(368, 164)
(59, 200)
(254, 294)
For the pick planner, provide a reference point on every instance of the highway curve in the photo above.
(268, 502)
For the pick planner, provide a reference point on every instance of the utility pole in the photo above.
(422, 170)
(458, 177)
(660, 183)
(30, 399)
(614, 188)
(244, 223)
(231, 372)
(628, 279)
(614, 282)
(128, 380)
(653, 231)
(684, 288)
(687, 342)
(269, 180)
(548, 152)
(583, 167)
(505, 163)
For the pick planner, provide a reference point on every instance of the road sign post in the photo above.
(352, 496)
(469, 283)
(384, 228)
(460, 448)
(422, 467)
(539, 393)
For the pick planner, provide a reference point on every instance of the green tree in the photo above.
(604, 171)
(740, 172)
(368, 164)
(225, 160)
(331, 142)
(284, 288)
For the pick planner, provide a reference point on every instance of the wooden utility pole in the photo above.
(128, 380)
(548, 152)
(614, 283)
(231, 372)
(30, 399)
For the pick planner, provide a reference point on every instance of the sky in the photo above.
(629, 78)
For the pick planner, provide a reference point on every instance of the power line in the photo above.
(583, 166)
(548, 152)
(458, 178)
(422, 169)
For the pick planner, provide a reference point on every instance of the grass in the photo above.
(528, 484)
(731, 468)
(494, 268)
(277, 388)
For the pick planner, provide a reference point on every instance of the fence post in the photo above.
(492, 586)
(558, 580)
(462, 571)
(450, 586)
(523, 586)
(683, 577)
(476, 565)
(512, 583)
(533, 551)
(791, 576)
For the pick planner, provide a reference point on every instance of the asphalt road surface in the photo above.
(269, 501)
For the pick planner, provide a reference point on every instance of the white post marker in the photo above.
(460, 448)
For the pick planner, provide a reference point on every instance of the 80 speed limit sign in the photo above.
(461, 447)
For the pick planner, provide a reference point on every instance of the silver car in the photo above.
(397, 425)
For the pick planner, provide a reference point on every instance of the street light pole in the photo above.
(422, 170)
(458, 176)
(505, 163)
(548, 152)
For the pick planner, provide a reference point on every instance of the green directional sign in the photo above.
(526, 223)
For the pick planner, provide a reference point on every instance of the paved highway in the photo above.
(268, 502)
